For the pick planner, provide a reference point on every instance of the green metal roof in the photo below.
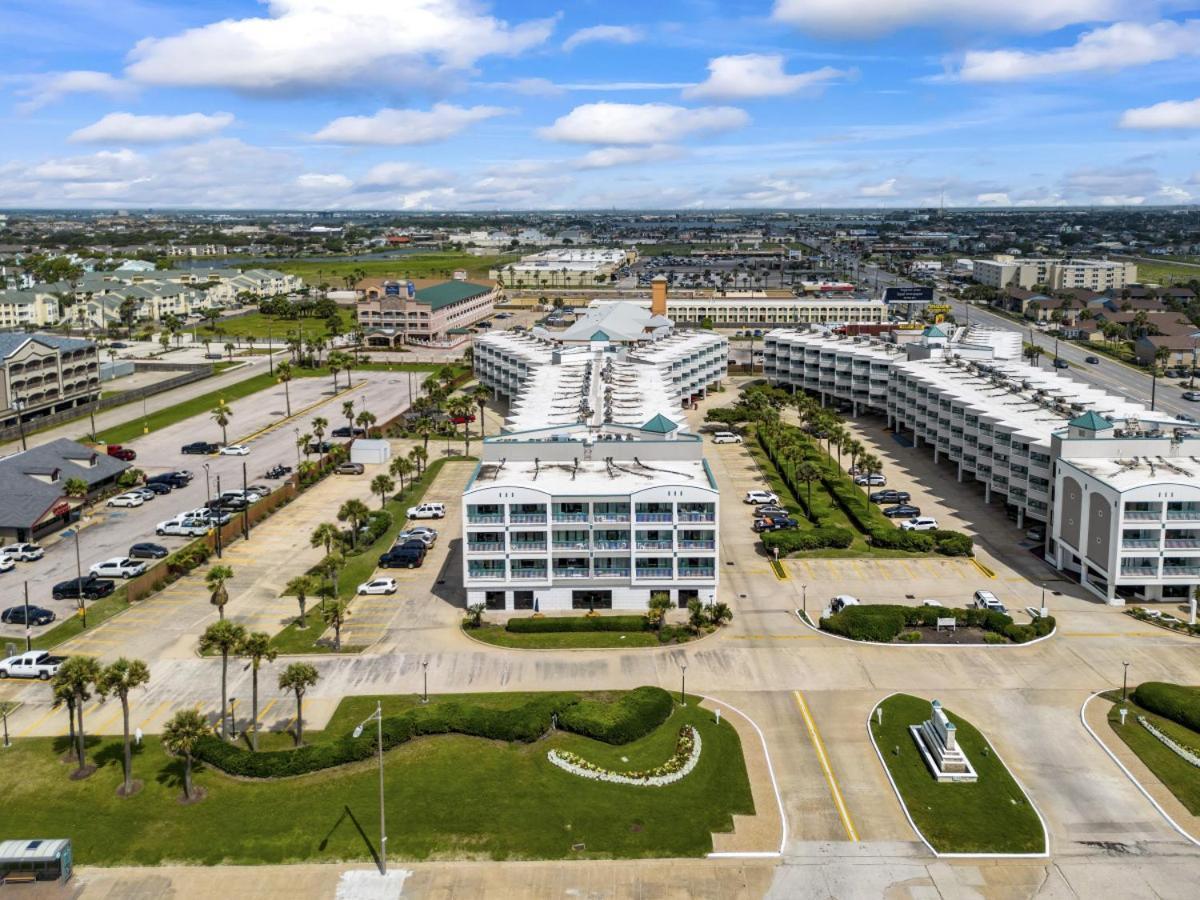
(660, 424)
(1091, 421)
(600, 335)
(448, 292)
(934, 331)
(459, 331)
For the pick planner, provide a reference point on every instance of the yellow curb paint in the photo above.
(823, 757)
(988, 573)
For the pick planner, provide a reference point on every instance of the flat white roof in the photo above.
(1124, 473)
(589, 478)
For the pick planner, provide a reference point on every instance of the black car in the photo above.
(903, 511)
(318, 447)
(1061, 364)
(1094, 360)
(170, 479)
(119, 345)
(91, 587)
(774, 524)
(346, 431)
(15, 615)
(890, 496)
(147, 551)
(199, 447)
(402, 558)
(159, 487)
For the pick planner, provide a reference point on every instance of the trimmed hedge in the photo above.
(1172, 701)
(814, 539)
(883, 622)
(632, 716)
(532, 625)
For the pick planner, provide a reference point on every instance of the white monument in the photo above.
(938, 742)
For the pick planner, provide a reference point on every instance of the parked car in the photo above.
(7, 564)
(234, 503)
(170, 479)
(427, 511)
(402, 558)
(932, 603)
(1184, 417)
(425, 538)
(890, 496)
(121, 453)
(126, 500)
(188, 526)
(118, 567)
(261, 489)
(769, 509)
(346, 431)
(903, 511)
(987, 600)
(234, 450)
(760, 497)
(319, 447)
(726, 437)
(145, 493)
(1061, 364)
(90, 587)
(215, 516)
(1191, 395)
(199, 447)
(773, 524)
(22, 552)
(378, 586)
(27, 615)
(463, 419)
(248, 495)
(35, 664)
(1094, 360)
(157, 487)
(147, 550)
(874, 480)
(350, 468)
(920, 523)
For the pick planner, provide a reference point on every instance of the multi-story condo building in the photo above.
(1058, 274)
(595, 495)
(1114, 483)
(725, 312)
(398, 312)
(42, 374)
(28, 309)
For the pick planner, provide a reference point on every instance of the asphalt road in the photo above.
(109, 532)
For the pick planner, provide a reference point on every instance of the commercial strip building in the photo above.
(570, 267)
(441, 315)
(1117, 486)
(42, 374)
(1057, 274)
(595, 495)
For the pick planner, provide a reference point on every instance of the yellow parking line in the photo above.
(152, 715)
(38, 721)
(262, 713)
(825, 767)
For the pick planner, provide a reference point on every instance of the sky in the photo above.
(674, 104)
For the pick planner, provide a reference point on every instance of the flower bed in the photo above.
(1187, 754)
(685, 758)
(1173, 624)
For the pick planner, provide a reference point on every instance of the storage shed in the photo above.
(370, 452)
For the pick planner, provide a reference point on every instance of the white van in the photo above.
(988, 600)
(427, 511)
(726, 437)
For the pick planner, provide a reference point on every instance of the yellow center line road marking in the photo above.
(825, 767)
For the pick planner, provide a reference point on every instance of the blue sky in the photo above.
(458, 104)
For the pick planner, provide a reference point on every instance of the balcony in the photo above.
(1189, 514)
(654, 572)
(653, 545)
(571, 545)
(485, 518)
(696, 516)
(1139, 570)
(529, 573)
(1182, 543)
(485, 546)
(612, 572)
(1142, 515)
(654, 517)
(612, 545)
(1139, 543)
(486, 574)
(610, 516)
(696, 571)
(1181, 570)
(527, 546)
(570, 517)
(572, 573)
(697, 545)
(527, 518)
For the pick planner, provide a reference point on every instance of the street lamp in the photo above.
(425, 673)
(683, 683)
(4, 715)
(1124, 681)
(804, 598)
(377, 716)
(297, 430)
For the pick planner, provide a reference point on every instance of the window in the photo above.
(494, 599)
(590, 600)
(522, 599)
(686, 595)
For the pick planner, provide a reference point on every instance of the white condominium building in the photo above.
(578, 267)
(1116, 484)
(1057, 274)
(729, 311)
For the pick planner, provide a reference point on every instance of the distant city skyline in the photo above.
(685, 104)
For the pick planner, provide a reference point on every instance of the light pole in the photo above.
(425, 673)
(683, 683)
(378, 717)
(19, 406)
(297, 430)
(79, 580)
(1124, 681)
(4, 715)
(804, 600)
(233, 718)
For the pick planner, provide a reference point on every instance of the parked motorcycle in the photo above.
(278, 471)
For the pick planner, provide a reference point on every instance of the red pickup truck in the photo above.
(122, 453)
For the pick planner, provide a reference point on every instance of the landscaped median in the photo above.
(990, 816)
(465, 776)
(596, 631)
(1162, 728)
(885, 623)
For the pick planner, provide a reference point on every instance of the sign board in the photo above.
(908, 294)
(939, 308)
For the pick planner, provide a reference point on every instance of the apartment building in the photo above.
(1050, 447)
(28, 309)
(595, 495)
(42, 374)
(1058, 274)
(568, 267)
(441, 314)
(777, 311)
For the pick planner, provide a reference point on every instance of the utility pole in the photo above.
(246, 508)
(218, 512)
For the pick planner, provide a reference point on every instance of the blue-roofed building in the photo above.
(42, 374)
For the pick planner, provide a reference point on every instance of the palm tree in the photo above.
(304, 442)
(660, 604)
(481, 395)
(300, 587)
(283, 372)
(719, 613)
(334, 615)
(460, 407)
(77, 675)
(868, 465)
(348, 412)
(215, 580)
(365, 421)
(334, 363)
(319, 425)
(63, 695)
(257, 648)
(418, 455)
(75, 487)
(120, 678)
(402, 467)
(224, 637)
(298, 678)
(222, 415)
(355, 512)
(180, 736)
(855, 449)
(806, 473)
(382, 485)
(327, 534)
(424, 428)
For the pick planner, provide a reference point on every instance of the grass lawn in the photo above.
(446, 796)
(1167, 272)
(419, 265)
(990, 816)
(1180, 777)
(563, 640)
(257, 325)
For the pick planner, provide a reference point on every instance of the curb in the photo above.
(1137, 784)
(806, 622)
(670, 647)
(1045, 854)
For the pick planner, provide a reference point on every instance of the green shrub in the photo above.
(539, 625)
(893, 538)
(953, 543)
(812, 539)
(1172, 701)
(911, 637)
(878, 622)
(992, 638)
(634, 715)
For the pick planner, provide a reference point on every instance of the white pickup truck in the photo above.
(37, 664)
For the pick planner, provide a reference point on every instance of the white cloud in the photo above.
(317, 44)
(1166, 115)
(127, 128)
(102, 166)
(406, 126)
(870, 18)
(612, 34)
(47, 89)
(317, 181)
(1118, 46)
(883, 189)
(640, 123)
(993, 198)
(402, 175)
(756, 75)
(607, 157)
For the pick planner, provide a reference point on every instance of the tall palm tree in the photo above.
(223, 637)
(78, 674)
(222, 415)
(298, 678)
(868, 465)
(319, 426)
(402, 467)
(424, 428)
(283, 372)
(326, 534)
(180, 736)
(66, 697)
(355, 512)
(257, 648)
(299, 587)
(334, 363)
(215, 581)
(334, 615)
(366, 420)
(120, 678)
(481, 395)
(418, 455)
(303, 442)
(806, 473)
(459, 406)
(348, 412)
(382, 485)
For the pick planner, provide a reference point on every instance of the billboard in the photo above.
(908, 294)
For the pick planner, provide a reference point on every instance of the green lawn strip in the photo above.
(991, 815)
(359, 568)
(446, 796)
(418, 265)
(563, 640)
(260, 325)
(1179, 776)
(98, 611)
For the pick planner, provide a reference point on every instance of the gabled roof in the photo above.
(600, 335)
(1091, 421)
(660, 424)
(934, 332)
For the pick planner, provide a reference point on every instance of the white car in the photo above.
(7, 563)
(875, 480)
(22, 552)
(426, 536)
(118, 567)
(920, 523)
(726, 437)
(234, 450)
(187, 526)
(250, 496)
(378, 586)
(130, 499)
(427, 511)
(760, 497)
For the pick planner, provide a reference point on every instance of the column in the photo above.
(960, 471)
